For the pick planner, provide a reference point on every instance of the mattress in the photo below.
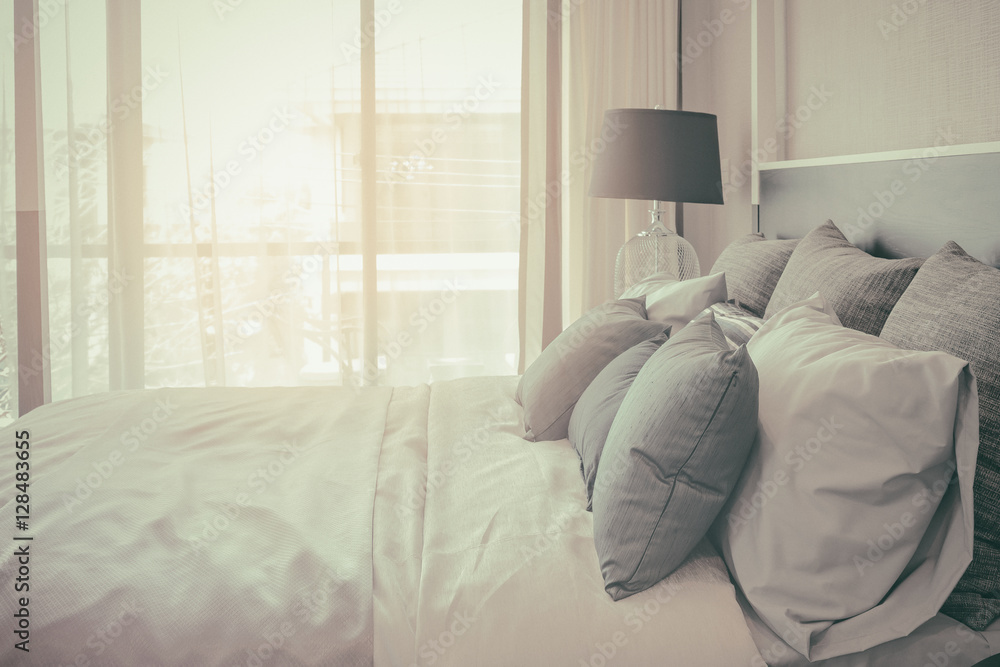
(327, 526)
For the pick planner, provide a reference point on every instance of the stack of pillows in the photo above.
(779, 416)
(662, 409)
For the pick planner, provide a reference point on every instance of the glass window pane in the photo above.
(248, 168)
(448, 137)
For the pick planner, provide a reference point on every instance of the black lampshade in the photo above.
(659, 154)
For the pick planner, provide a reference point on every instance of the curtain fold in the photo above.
(625, 53)
(33, 350)
(618, 53)
(540, 276)
(126, 189)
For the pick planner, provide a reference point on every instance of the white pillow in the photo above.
(649, 284)
(846, 529)
(675, 304)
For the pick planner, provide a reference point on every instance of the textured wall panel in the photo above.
(877, 75)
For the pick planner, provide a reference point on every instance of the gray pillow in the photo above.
(753, 266)
(551, 386)
(861, 289)
(595, 411)
(679, 443)
(953, 305)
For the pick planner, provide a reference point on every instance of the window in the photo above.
(251, 233)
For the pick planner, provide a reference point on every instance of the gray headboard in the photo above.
(905, 204)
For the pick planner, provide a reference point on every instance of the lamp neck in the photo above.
(656, 225)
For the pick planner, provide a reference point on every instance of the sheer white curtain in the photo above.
(614, 53)
(621, 54)
(201, 171)
(540, 286)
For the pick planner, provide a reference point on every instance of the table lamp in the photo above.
(660, 155)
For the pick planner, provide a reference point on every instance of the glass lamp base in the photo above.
(654, 251)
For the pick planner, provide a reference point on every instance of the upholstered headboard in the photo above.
(900, 204)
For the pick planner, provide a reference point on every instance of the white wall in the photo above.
(716, 47)
(897, 74)
(860, 76)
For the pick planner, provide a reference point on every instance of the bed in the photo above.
(418, 525)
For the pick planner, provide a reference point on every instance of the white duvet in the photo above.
(406, 526)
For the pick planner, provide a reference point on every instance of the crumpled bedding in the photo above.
(198, 527)
(328, 526)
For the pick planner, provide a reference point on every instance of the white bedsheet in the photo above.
(406, 526)
(504, 571)
(197, 527)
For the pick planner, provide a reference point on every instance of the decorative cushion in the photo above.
(677, 304)
(737, 324)
(595, 411)
(847, 529)
(861, 289)
(675, 450)
(551, 386)
(649, 284)
(953, 304)
(753, 266)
